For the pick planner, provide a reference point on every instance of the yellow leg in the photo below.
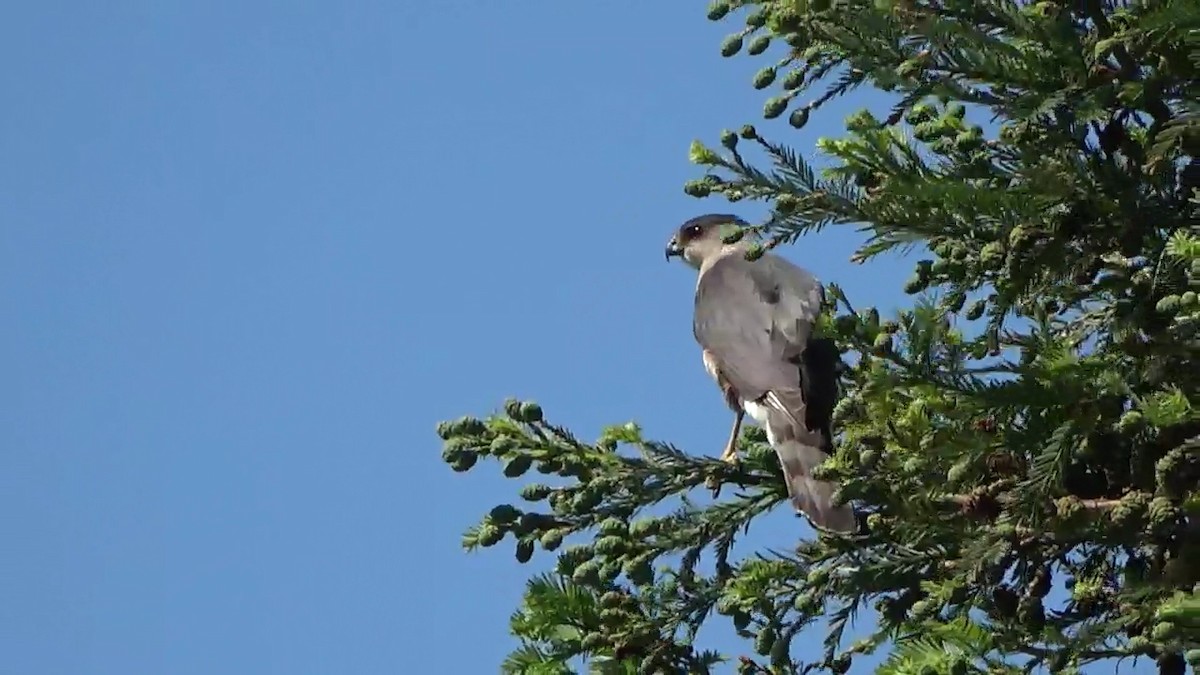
(730, 454)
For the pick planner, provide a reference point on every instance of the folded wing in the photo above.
(756, 319)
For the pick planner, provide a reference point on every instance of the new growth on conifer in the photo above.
(1024, 436)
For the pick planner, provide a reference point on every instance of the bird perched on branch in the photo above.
(754, 322)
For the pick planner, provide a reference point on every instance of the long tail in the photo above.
(799, 453)
(810, 496)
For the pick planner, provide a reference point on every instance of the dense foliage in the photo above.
(1031, 422)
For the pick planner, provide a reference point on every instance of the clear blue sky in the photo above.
(253, 251)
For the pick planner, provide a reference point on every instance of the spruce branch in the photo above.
(1030, 417)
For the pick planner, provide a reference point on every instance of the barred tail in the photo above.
(812, 497)
(800, 451)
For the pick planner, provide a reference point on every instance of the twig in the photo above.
(988, 503)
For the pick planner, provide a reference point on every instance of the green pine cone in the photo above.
(524, 551)
(490, 535)
(530, 412)
(794, 78)
(504, 514)
(551, 540)
(774, 107)
(759, 45)
(764, 78)
(798, 118)
(517, 466)
(732, 45)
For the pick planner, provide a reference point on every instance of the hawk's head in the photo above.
(703, 237)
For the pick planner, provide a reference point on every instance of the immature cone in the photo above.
(764, 78)
(517, 466)
(524, 551)
(794, 78)
(551, 540)
(732, 45)
(774, 107)
(759, 45)
(717, 11)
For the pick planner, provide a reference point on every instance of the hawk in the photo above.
(754, 322)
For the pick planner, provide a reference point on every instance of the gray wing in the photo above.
(800, 297)
(818, 359)
(754, 317)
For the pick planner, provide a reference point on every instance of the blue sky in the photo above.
(252, 253)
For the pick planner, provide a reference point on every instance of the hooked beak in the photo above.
(673, 249)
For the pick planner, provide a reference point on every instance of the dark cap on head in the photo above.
(698, 227)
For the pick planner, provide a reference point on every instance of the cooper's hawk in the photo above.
(754, 322)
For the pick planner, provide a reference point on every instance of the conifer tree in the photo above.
(1031, 421)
